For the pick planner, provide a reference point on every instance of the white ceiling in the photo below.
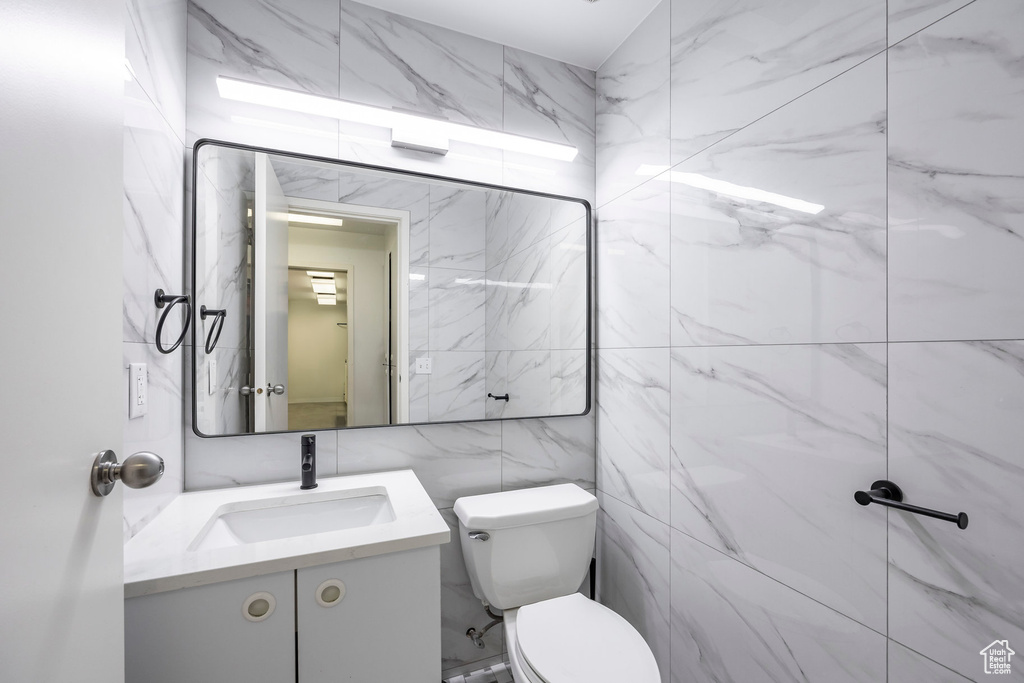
(574, 31)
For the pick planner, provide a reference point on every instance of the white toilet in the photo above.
(527, 553)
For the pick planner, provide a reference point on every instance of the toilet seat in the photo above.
(572, 639)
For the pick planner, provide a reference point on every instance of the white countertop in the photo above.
(158, 559)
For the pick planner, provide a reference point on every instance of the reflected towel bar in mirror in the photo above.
(213, 336)
(889, 494)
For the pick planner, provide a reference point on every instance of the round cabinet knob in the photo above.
(330, 593)
(258, 607)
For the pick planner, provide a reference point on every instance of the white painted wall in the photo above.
(317, 350)
(62, 79)
(313, 248)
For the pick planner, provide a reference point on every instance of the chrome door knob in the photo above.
(245, 391)
(277, 389)
(138, 471)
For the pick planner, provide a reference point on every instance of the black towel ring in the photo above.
(171, 300)
(213, 336)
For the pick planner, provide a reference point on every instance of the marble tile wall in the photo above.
(345, 49)
(223, 196)
(535, 329)
(808, 249)
(154, 186)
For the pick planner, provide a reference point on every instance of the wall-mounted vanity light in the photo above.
(407, 130)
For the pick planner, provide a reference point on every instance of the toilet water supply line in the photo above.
(478, 636)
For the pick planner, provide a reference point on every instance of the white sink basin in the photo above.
(272, 519)
(205, 537)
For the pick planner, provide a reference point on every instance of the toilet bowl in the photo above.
(527, 553)
(573, 639)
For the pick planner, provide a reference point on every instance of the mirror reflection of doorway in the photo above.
(346, 340)
(319, 344)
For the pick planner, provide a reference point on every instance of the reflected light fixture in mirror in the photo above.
(315, 220)
(324, 286)
(435, 130)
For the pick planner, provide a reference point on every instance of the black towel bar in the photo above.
(213, 336)
(889, 494)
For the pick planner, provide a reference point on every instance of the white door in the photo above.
(61, 185)
(270, 297)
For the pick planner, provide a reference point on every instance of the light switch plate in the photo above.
(423, 365)
(138, 390)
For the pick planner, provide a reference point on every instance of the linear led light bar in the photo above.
(315, 220)
(730, 189)
(408, 125)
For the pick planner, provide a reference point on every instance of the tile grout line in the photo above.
(671, 199)
(887, 417)
(706, 148)
(744, 564)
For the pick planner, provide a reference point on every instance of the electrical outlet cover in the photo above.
(138, 390)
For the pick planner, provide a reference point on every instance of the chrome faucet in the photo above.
(308, 461)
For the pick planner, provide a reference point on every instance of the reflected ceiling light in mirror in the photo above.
(324, 287)
(320, 273)
(315, 220)
(326, 299)
(404, 123)
(729, 189)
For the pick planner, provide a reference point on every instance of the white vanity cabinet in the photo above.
(373, 619)
(200, 635)
(356, 596)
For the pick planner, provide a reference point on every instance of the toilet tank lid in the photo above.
(527, 506)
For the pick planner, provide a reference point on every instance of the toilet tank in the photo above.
(539, 543)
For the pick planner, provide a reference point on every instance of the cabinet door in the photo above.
(383, 625)
(201, 635)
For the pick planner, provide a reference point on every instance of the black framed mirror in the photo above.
(345, 295)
